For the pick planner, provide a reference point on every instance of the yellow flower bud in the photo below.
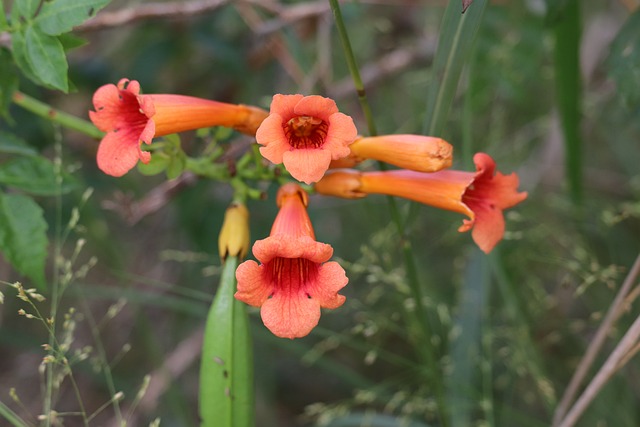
(234, 235)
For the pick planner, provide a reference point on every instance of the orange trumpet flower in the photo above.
(293, 280)
(481, 195)
(130, 119)
(305, 133)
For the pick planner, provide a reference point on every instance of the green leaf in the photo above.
(156, 165)
(35, 175)
(457, 34)
(47, 59)
(226, 370)
(71, 41)
(176, 165)
(19, 52)
(11, 144)
(60, 16)
(8, 82)
(23, 237)
(23, 11)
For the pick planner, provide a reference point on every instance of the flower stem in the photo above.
(43, 110)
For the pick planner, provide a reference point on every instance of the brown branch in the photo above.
(164, 10)
(292, 14)
(134, 211)
(615, 311)
(386, 65)
(614, 362)
(178, 361)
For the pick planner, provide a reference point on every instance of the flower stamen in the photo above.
(306, 132)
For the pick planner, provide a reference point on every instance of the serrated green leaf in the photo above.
(11, 144)
(23, 236)
(19, 52)
(23, 11)
(60, 16)
(226, 370)
(47, 58)
(35, 175)
(8, 82)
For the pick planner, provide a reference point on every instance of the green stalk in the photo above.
(428, 353)
(567, 72)
(226, 370)
(353, 67)
(47, 112)
(3, 18)
(11, 416)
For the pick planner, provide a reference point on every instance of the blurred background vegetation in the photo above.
(508, 329)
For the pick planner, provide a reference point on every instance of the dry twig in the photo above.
(616, 309)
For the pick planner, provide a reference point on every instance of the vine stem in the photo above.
(429, 353)
(46, 111)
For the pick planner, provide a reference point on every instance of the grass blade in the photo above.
(457, 34)
(12, 417)
(566, 28)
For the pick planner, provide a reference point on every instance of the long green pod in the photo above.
(226, 371)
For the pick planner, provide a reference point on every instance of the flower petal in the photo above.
(331, 278)
(271, 135)
(342, 132)
(316, 106)
(307, 165)
(290, 316)
(117, 155)
(106, 101)
(253, 288)
(284, 105)
(285, 246)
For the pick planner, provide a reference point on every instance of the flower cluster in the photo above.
(293, 278)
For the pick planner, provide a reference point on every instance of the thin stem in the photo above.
(353, 67)
(3, 18)
(102, 354)
(596, 343)
(55, 287)
(43, 110)
(429, 353)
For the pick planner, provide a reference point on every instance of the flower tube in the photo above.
(305, 133)
(415, 152)
(130, 119)
(293, 280)
(480, 195)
